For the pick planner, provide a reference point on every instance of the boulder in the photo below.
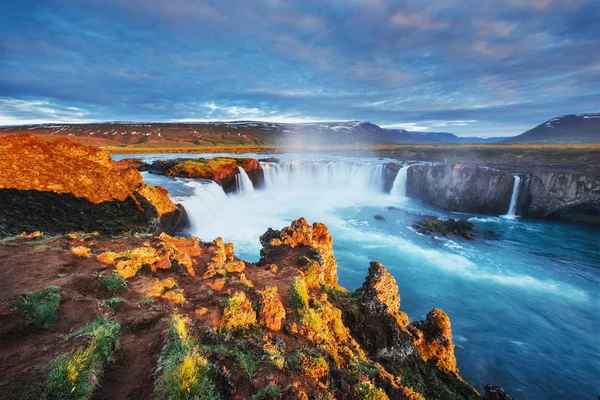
(462, 227)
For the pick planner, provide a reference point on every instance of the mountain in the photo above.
(579, 128)
(239, 133)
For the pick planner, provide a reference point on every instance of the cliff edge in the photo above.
(60, 186)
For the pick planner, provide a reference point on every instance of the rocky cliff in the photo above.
(61, 186)
(541, 194)
(460, 188)
(561, 195)
(179, 318)
(222, 170)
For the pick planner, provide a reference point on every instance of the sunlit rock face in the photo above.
(61, 185)
(222, 170)
(320, 262)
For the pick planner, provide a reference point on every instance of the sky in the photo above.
(470, 67)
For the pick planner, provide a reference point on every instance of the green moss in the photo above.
(40, 307)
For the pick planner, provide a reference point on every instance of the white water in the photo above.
(399, 185)
(512, 209)
(319, 175)
(243, 182)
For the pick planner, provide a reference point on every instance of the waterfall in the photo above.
(512, 209)
(399, 185)
(243, 182)
(324, 175)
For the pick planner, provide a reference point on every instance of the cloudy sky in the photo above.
(470, 67)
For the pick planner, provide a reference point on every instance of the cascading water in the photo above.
(399, 185)
(243, 182)
(512, 209)
(324, 175)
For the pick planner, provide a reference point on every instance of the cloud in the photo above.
(468, 66)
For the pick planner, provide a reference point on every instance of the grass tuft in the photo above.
(76, 375)
(40, 307)
(185, 373)
(113, 302)
(113, 283)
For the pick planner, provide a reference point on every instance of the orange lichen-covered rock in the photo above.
(61, 185)
(315, 238)
(433, 339)
(222, 170)
(167, 289)
(136, 259)
(380, 294)
(82, 251)
(380, 291)
(271, 311)
(222, 260)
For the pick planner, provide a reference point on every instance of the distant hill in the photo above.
(240, 133)
(580, 128)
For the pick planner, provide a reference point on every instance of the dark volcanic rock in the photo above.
(459, 188)
(269, 159)
(495, 393)
(389, 174)
(461, 227)
(560, 195)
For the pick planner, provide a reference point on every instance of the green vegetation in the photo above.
(300, 293)
(368, 391)
(238, 313)
(146, 302)
(269, 392)
(75, 375)
(40, 307)
(185, 373)
(248, 361)
(113, 302)
(113, 283)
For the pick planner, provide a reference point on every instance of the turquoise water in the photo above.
(524, 301)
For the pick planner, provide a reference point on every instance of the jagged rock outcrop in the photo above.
(60, 186)
(319, 261)
(271, 310)
(433, 339)
(404, 349)
(222, 170)
(460, 188)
